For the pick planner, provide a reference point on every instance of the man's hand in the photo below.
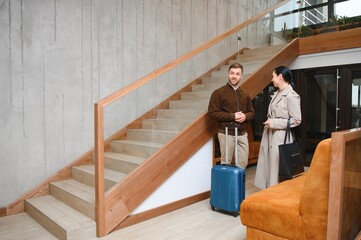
(240, 117)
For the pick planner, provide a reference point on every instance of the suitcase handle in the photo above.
(227, 162)
(235, 145)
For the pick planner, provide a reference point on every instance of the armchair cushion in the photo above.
(293, 209)
(276, 209)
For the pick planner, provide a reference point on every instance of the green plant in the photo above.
(284, 30)
(343, 20)
(356, 19)
(305, 31)
(333, 20)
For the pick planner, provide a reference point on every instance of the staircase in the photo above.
(69, 211)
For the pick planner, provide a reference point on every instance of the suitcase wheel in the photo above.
(235, 214)
(212, 208)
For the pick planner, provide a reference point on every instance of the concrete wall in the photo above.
(59, 57)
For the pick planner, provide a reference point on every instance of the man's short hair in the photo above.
(236, 65)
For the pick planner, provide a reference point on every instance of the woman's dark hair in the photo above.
(286, 73)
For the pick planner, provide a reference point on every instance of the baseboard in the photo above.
(141, 217)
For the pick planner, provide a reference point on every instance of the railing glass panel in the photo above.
(163, 121)
(137, 122)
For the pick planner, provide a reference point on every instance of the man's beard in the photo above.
(234, 85)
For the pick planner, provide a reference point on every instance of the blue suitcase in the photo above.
(227, 185)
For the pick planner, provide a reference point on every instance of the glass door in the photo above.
(322, 107)
(331, 101)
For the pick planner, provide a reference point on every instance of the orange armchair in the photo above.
(293, 209)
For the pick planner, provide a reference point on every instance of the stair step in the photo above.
(196, 95)
(136, 148)
(189, 104)
(86, 175)
(248, 67)
(219, 80)
(215, 80)
(122, 162)
(22, 226)
(180, 113)
(262, 51)
(166, 124)
(60, 219)
(243, 59)
(219, 74)
(75, 194)
(257, 54)
(151, 135)
(208, 87)
(250, 64)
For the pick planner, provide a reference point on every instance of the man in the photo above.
(231, 106)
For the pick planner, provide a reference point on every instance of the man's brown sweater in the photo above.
(225, 102)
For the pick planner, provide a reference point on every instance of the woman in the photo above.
(285, 103)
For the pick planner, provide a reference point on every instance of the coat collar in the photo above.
(284, 92)
(234, 88)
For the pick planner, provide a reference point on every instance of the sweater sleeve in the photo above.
(249, 111)
(216, 111)
(294, 109)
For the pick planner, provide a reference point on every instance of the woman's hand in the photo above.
(267, 123)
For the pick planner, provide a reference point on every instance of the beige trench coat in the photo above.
(282, 106)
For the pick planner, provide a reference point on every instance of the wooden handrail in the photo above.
(105, 204)
(260, 79)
